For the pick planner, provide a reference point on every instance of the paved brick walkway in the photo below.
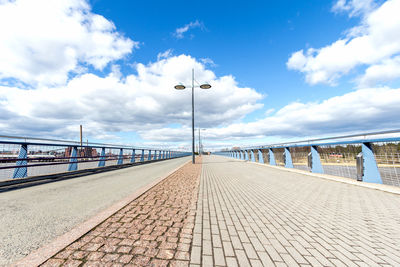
(251, 215)
(153, 230)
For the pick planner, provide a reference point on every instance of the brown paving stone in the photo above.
(153, 230)
(94, 256)
(72, 263)
(53, 262)
(140, 260)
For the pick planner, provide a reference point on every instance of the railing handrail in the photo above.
(71, 143)
(310, 142)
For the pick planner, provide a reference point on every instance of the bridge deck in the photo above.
(252, 214)
(246, 215)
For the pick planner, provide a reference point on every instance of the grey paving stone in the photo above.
(195, 255)
(267, 216)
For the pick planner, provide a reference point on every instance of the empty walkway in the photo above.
(248, 214)
(32, 217)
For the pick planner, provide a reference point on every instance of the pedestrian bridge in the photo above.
(221, 211)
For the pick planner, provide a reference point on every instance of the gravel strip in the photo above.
(153, 230)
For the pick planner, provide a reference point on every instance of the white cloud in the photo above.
(354, 7)
(208, 62)
(387, 70)
(361, 110)
(165, 54)
(106, 105)
(373, 42)
(179, 32)
(43, 41)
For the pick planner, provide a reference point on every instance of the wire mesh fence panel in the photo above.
(340, 160)
(279, 158)
(127, 156)
(387, 156)
(49, 160)
(88, 158)
(8, 155)
(299, 157)
(112, 157)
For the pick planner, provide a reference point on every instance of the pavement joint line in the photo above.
(380, 187)
(46, 252)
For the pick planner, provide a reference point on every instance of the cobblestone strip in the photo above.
(251, 215)
(153, 230)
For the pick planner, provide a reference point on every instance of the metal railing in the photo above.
(369, 157)
(23, 157)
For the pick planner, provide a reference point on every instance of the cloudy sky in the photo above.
(279, 70)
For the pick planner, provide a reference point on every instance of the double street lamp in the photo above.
(182, 87)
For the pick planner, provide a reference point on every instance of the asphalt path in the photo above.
(32, 217)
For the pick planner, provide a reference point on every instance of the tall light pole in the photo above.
(200, 141)
(182, 87)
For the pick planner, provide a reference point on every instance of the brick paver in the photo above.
(153, 230)
(244, 214)
(251, 215)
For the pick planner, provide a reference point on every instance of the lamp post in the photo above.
(182, 87)
(200, 145)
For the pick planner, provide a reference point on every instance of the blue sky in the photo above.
(279, 69)
(251, 41)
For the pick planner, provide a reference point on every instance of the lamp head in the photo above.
(180, 87)
(205, 86)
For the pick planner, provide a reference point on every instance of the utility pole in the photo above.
(199, 144)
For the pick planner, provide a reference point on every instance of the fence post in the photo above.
(149, 155)
(142, 157)
(102, 161)
(288, 158)
(163, 155)
(120, 156)
(271, 157)
(133, 156)
(22, 172)
(159, 155)
(316, 160)
(260, 156)
(253, 159)
(73, 161)
(371, 171)
(246, 155)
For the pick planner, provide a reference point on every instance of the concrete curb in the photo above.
(44, 253)
(381, 187)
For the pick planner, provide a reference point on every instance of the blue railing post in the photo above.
(253, 159)
(163, 155)
(149, 156)
(120, 156)
(246, 155)
(22, 172)
(102, 161)
(371, 172)
(73, 161)
(288, 158)
(142, 157)
(260, 156)
(241, 155)
(271, 157)
(316, 161)
(159, 154)
(133, 156)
